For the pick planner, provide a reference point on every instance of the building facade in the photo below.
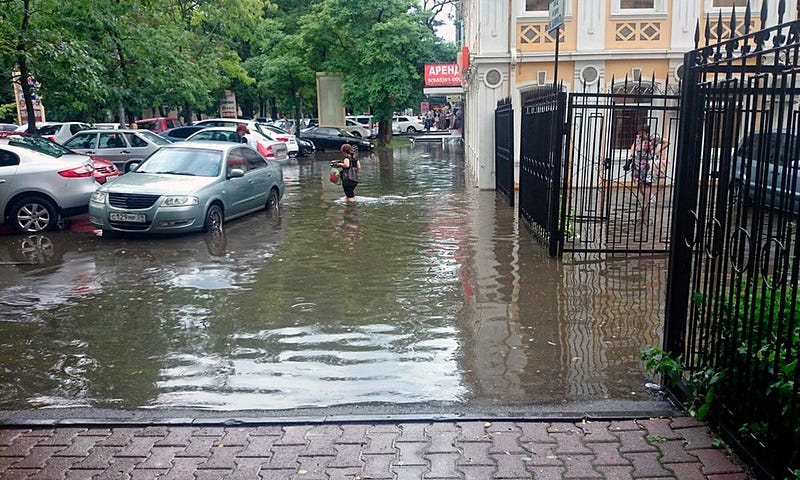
(602, 42)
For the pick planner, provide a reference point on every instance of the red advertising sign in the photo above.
(442, 75)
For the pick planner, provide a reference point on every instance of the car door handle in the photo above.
(90, 152)
(125, 151)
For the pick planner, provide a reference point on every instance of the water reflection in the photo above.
(424, 290)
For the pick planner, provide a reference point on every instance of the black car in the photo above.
(179, 134)
(329, 138)
(306, 147)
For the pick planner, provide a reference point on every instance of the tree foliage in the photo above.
(104, 59)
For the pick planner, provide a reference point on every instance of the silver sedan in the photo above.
(188, 186)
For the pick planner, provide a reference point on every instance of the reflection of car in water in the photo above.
(765, 170)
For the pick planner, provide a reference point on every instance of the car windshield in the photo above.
(39, 144)
(153, 138)
(183, 161)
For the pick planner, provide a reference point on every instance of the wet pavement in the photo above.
(420, 333)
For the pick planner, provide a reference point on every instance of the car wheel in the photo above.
(273, 199)
(33, 214)
(214, 218)
(411, 130)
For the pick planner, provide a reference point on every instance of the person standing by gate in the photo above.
(646, 164)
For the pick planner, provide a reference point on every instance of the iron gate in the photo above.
(504, 149)
(607, 206)
(733, 316)
(541, 146)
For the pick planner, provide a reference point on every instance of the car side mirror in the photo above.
(236, 173)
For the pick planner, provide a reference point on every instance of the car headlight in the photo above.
(98, 196)
(179, 201)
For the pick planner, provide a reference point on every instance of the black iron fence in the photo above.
(612, 202)
(732, 313)
(504, 149)
(541, 145)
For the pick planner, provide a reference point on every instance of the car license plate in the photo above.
(127, 217)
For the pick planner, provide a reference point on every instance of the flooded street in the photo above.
(424, 290)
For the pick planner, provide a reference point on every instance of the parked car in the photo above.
(306, 147)
(359, 129)
(107, 125)
(158, 124)
(271, 149)
(233, 122)
(328, 138)
(58, 132)
(103, 169)
(123, 147)
(8, 127)
(286, 124)
(408, 124)
(188, 186)
(282, 135)
(37, 190)
(179, 134)
(768, 168)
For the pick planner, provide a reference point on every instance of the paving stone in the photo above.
(472, 432)
(410, 453)
(542, 454)
(199, 447)
(380, 443)
(176, 437)
(206, 431)
(442, 465)
(510, 465)
(548, 473)
(412, 432)
(475, 453)
(377, 466)
(122, 468)
(607, 454)
(631, 441)
(98, 458)
(697, 438)
(6, 462)
(477, 471)
(234, 437)
(504, 427)
(217, 474)
(570, 444)
(294, 435)
(729, 476)
(673, 451)
(285, 457)
(596, 432)
(221, 458)
(410, 472)
(442, 438)
(183, 468)
(119, 437)
(618, 472)
(19, 473)
(715, 461)
(347, 456)
(660, 427)
(347, 473)
(506, 442)
(646, 464)
(686, 471)
(55, 468)
(98, 432)
(247, 468)
(20, 447)
(160, 457)
(258, 447)
(685, 422)
(280, 474)
(7, 436)
(37, 457)
(62, 437)
(623, 426)
(80, 447)
(144, 474)
(152, 431)
(267, 431)
(385, 428)
(355, 433)
(536, 432)
(38, 432)
(580, 466)
(82, 474)
(139, 447)
(313, 468)
(321, 439)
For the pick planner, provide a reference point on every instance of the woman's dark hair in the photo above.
(347, 149)
(645, 129)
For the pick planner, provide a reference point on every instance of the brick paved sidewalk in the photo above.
(679, 448)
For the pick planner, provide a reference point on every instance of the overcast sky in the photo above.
(448, 30)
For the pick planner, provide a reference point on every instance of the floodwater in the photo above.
(424, 290)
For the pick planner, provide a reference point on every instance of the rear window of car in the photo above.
(153, 138)
(49, 129)
(38, 144)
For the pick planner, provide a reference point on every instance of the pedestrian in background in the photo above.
(350, 168)
(646, 164)
(133, 126)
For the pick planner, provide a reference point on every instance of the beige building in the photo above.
(511, 52)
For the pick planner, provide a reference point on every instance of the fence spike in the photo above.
(697, 33)
(708, 30)
(748, 17)
(764, 15)
(719, 27)
(781, 11)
